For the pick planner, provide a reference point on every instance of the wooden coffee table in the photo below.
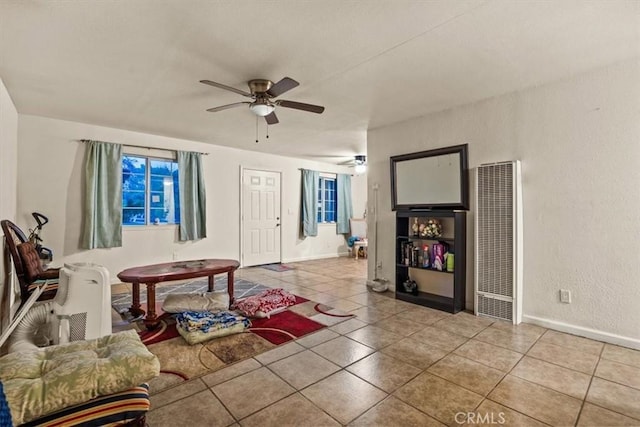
(150, 275)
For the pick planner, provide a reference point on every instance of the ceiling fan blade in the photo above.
(284, 85)
(301, 106)
(272, 119)
(226, 107)
(225, 87)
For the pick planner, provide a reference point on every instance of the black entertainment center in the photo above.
(430, 194)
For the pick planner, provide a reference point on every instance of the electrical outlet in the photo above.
(565, 296)
(379, 264)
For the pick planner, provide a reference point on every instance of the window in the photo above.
(149, 191)
(327, 199)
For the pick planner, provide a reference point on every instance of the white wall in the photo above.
(579, 143)
(50, 172)
(8, 169)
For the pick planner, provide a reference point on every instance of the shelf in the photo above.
(430, 300)
(426, 269)
(434, 239)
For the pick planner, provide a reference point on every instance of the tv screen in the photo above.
(433, 179)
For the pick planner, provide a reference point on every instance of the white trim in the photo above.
(314, 257)
(593, 334)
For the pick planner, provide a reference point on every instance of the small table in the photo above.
(150, 275)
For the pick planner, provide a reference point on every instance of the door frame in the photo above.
(241, 216)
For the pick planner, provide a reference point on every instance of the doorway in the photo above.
(260, 217)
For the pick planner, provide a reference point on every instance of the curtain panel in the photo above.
(193, 212)
(102, 210)
(309, 209)
(345, 205)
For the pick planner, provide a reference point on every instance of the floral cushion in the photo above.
(46, 380)
(266, 303)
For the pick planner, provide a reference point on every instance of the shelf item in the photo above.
(417, 255)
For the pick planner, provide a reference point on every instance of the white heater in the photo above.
(498, 241)
(80, 310)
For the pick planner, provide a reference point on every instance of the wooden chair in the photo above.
(27, 264)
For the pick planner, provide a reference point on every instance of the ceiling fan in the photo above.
(261, 92)
(359, 162)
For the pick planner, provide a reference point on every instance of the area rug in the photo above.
(180, 361)
(277, 267)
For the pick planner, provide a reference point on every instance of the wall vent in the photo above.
(498, 241)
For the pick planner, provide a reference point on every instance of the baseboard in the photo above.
(313, 257)
(593, 334)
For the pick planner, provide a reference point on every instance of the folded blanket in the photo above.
(266, 303)
(191, 321)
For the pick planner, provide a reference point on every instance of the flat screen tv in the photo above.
(433, 179)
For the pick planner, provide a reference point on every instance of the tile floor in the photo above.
(398, 364)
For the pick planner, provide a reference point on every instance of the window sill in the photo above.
(149, 227)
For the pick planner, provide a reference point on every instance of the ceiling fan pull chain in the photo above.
(267, 132)
(256, 129)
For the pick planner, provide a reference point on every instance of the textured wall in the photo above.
(579, 143)
(50, 172)
(8, 170)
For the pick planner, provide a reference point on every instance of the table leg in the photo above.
(135, 310)
(230, 286)
(211, 280)
(151, 320)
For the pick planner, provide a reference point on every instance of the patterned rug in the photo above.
(277, 267)
(180, 361)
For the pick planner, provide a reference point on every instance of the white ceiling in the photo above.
(136, 64)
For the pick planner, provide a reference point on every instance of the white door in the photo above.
(260, 217)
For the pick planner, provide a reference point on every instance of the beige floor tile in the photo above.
(343, 396)
(414, 352)
(120, 288)
(584, 345)
(622, 355)
(471, 375)
(536, 401)
(489, 355)
(619, 398)
(595, 416)
(342, 351)
(563, 356)
(199, 410)
(385, 372)
(345, 304)
(348, 326)
(555, 377)
(365, 298)
(374, 337)
(324, 298)
(439, 338)
(423, 315)
(176, 393)
(522, 328)
(490, 414)
(232, 371)
(399, 326)
(303, 369)
(279, 352)
(619, 373)
(370, 315)
(515, 342)
(294, 410)
(438, 398)
(393, 412)
(389, 305)
(316, 338)
(464, 324)
(235, 396)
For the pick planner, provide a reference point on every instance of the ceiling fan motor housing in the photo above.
(259, 86)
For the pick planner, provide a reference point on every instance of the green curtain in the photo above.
(345, 206)
(103, 196)
(309, 209)
(193, 212)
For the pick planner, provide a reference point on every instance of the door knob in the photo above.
(277, 225)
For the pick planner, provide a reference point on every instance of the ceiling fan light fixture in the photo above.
(360, 168)
(360, 162)
(261, 108)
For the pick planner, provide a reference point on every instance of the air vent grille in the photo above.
(494, 307)
(495, 225)
(78, 327)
